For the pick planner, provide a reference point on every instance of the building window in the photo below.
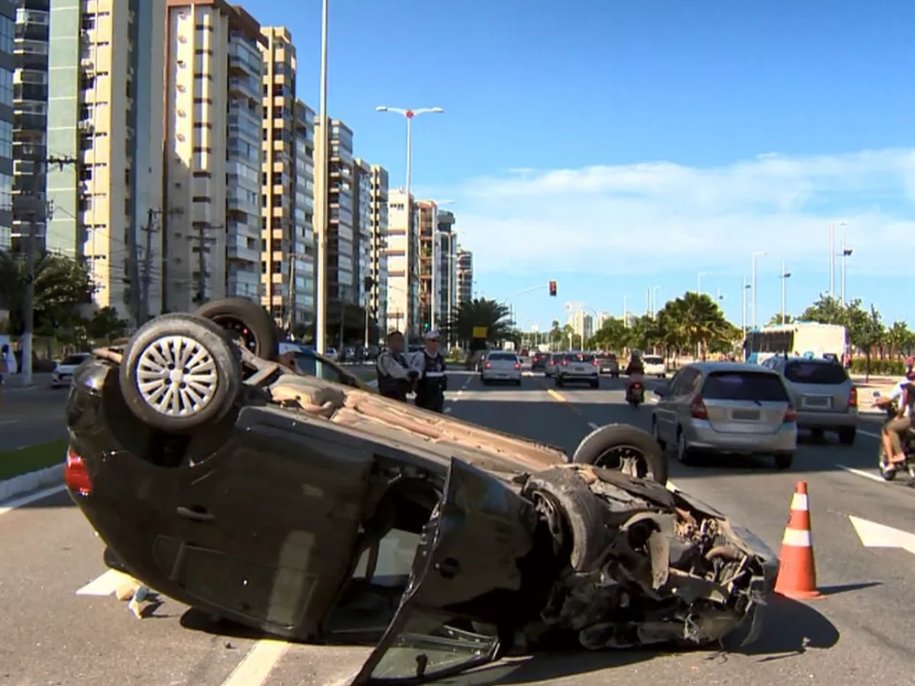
(7, 32)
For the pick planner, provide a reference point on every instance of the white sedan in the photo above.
(501, 366)
(654, 366)
(63, 370)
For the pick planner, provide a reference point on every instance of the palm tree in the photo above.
(480, 313)
(694, 320)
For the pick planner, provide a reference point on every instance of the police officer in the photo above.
(430, 389)
(395, 375)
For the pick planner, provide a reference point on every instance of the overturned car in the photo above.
(317, 511)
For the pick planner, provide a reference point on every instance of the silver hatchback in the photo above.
(825, 397)
(726, 408)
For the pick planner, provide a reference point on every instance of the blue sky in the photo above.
(615, 146)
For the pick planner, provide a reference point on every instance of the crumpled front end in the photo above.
(645, 565)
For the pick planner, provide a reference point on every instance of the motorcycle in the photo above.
(635, 393)
(887, 471)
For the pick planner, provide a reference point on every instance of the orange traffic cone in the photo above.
(797, 575)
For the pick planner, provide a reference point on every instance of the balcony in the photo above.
(29, 121)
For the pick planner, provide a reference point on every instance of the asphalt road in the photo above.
(857, 634)
(31, 415)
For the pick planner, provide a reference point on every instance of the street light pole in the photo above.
(409, 115)
(654, 300)
(846, 253)
(321, 182)
(756, 255)
(785, 276)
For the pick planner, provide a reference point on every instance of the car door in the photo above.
(665, 411)
(467, 565)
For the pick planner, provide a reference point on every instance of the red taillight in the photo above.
(697, 409)
(565, 363)
(790, 415)
(517, 365)
(488, 365)
(76, 476)
(595, 362)
(853, 397)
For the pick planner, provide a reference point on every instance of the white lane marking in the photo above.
(874, 535)
(861, 472)
(448, 410)
(593, 425)
(4, 422)
(104, 585)
(11, 505)
(868, 433)
(256, 666)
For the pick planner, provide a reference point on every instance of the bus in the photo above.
(801, 339)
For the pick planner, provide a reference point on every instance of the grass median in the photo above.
(31, 458)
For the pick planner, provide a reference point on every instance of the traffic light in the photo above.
(553, 288)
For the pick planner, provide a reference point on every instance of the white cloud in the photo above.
(656, 216)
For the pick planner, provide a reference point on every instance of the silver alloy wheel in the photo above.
(176, 376)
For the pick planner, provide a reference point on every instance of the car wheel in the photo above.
(784, 460)
(625, 448)
(558, 382)
(595, 383)
(656, 434)
(247, 322)
(847, 435)
(179, 372)
(518, 382)
(685, 454)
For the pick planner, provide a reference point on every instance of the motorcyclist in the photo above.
(635, 371)
(895, 430)
(396, 376)
(430, 389)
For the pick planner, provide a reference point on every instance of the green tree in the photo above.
(61, 285)
(481, 312)
(555, 336)
(827, 310)
(612, 335)
(776, 319)
(106, 325)
(643, 333)
(865, 331)
(900, 339)
(694, 321)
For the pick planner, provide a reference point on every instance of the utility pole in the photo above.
(322, 142)
(151, 215)
(202, 240)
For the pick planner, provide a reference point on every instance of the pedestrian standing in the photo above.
(395, 375)
(430, 389)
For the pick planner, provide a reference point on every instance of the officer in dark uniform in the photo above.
(430, 389)
(395, 375)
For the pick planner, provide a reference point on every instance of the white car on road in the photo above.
(654, 366)
(501, 366)
(63, 370)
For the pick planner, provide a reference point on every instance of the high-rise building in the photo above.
(30, 125)
(429, 275)
(464, 275)
(378, 271)
(287, 241)
(304, 247)
(341, 241)
(362, 230)
(582, 325)
(214, 132)
(447, 267)
(403, 309)
(105, 84)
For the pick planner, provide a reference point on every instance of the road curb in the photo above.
(32, 481)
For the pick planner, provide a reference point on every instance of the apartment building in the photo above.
(464, 275)
(447, 267)
(105, 84)
(342, 269)
(429, 276)
(303, 245)
(30, 122)
(378, 270)
(287, 242)
(362, 230)
(582, 325)
(213, 153)
(403, 304)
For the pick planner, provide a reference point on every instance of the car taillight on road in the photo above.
(517, 365)
(488, 365)
(595, 362)
(565, 363)
(790, 415)
(76, 476)
(853, 397)
(697, 409)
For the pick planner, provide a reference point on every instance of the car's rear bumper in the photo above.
(826, 420)
(498, 375)
(703, 437)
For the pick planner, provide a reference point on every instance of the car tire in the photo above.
(201, 343)
(595, 383)
(784, 460)
(685, 454)
(847, 435)
(594, 449)
(518, 382)
(246, 320)
(656, 434)
(558, 382)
